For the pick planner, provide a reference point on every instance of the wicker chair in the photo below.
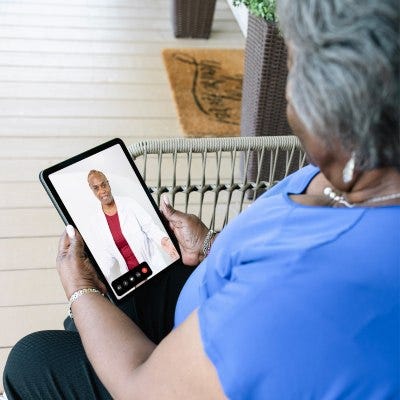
(208, 177)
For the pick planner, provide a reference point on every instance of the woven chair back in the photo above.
(209, 177)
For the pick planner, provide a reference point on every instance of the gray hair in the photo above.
(344, 79)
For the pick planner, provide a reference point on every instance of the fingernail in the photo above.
(70, 231)
(165, 199)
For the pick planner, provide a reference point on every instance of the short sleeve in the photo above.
(241, 326)
(283, 330)
(221, 332)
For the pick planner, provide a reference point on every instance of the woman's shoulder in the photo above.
(296, 182)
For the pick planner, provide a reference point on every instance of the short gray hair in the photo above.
(344, 80)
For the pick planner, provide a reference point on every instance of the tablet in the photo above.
(102, 194)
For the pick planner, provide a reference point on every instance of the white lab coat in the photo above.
(140, 231)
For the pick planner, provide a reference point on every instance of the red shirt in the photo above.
(121, 242)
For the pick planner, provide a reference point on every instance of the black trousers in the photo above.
(52, 365)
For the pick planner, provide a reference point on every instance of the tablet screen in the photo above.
(119, 224)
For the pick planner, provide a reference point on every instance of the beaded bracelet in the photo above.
(75, 296)
(207, 242)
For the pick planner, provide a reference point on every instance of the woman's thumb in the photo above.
(75, 239)
(166, 207)
(70, 231)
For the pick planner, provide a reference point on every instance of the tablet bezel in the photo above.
(62, 210)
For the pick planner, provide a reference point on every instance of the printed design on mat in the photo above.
(214, 93)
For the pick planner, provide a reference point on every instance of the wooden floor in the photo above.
(72, 75)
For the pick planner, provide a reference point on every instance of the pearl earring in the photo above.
(348, 170)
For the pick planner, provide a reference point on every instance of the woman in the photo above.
(298, 297)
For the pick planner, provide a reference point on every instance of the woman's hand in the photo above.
(189, 231)
(75, 269)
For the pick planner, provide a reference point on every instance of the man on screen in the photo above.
(126, 234)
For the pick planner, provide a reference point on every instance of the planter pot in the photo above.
(193, 18)
(264, 82)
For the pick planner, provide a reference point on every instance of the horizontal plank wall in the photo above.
(72, 75)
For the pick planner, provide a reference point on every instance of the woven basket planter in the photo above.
(264, 82)
(193, 18)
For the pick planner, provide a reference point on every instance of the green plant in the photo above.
(265, 9)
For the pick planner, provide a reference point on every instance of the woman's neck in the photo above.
(379, 187)
(376, 187)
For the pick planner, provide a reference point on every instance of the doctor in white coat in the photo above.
(145, 239)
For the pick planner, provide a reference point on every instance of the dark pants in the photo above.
(52, 365)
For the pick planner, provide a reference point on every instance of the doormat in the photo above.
(207, 89)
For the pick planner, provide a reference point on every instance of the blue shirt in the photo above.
(301, 302)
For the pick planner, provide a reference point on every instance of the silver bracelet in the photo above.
(75, 296)
(207, 242)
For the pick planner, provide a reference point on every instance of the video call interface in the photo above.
(118, 223)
